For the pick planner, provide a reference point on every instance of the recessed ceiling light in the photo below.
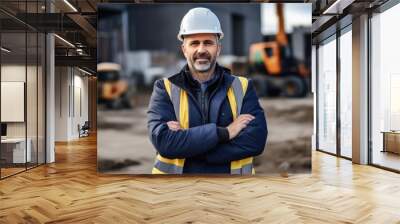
(70, 5)
(86, 72)
(5, 50)
(337, 7)
(65, 41)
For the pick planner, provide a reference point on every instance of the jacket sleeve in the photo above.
(251, 140)
(175, 144)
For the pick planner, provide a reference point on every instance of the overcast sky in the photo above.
(296, 14)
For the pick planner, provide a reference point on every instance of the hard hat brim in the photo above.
(180, 35)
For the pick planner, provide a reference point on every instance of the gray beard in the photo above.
(203, 67)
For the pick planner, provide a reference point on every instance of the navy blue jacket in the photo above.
(204, 145)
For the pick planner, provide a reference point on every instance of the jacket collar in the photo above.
(184, 79)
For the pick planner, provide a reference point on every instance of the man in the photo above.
(204, 120)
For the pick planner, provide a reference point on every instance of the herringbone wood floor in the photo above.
(70, 191)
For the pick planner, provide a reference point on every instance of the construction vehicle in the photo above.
(274, 69)
(112, 90)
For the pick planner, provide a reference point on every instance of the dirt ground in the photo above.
(124, 146)
(290, 126)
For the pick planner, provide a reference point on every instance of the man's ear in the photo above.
(183, 49)
(219, 48)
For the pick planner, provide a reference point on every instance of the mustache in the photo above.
(203, 55)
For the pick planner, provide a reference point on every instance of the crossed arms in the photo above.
(247, 133)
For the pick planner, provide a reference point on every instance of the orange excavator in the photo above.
(274, 70)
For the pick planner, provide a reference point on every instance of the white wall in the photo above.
(12, 73)
(80, 96)
(62, 80)
(33, 125)
(71, 94)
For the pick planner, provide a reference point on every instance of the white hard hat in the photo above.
(200, 20)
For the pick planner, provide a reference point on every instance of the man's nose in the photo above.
(201, 48)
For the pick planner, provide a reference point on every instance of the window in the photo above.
(22, 75)
(385, 89)
(327, 96)
(346, 92)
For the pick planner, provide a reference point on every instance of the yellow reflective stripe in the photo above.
(236, 165)
(183, 117)
(232, 102)
(244, 83)
(184, 110)
(157, 171)
(176, 162)
(184, 122)
(240, 163)
(246, 161)
(167, 84)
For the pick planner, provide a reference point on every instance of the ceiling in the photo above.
(327, 13)
(76, 21)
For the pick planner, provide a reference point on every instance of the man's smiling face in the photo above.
(201, 51)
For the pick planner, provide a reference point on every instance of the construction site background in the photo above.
(126, 77)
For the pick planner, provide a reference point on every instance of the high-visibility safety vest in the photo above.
(180, 101)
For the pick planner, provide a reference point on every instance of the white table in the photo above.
(18, 145)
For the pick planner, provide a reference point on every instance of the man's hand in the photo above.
(174, 125)
(239, 124)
